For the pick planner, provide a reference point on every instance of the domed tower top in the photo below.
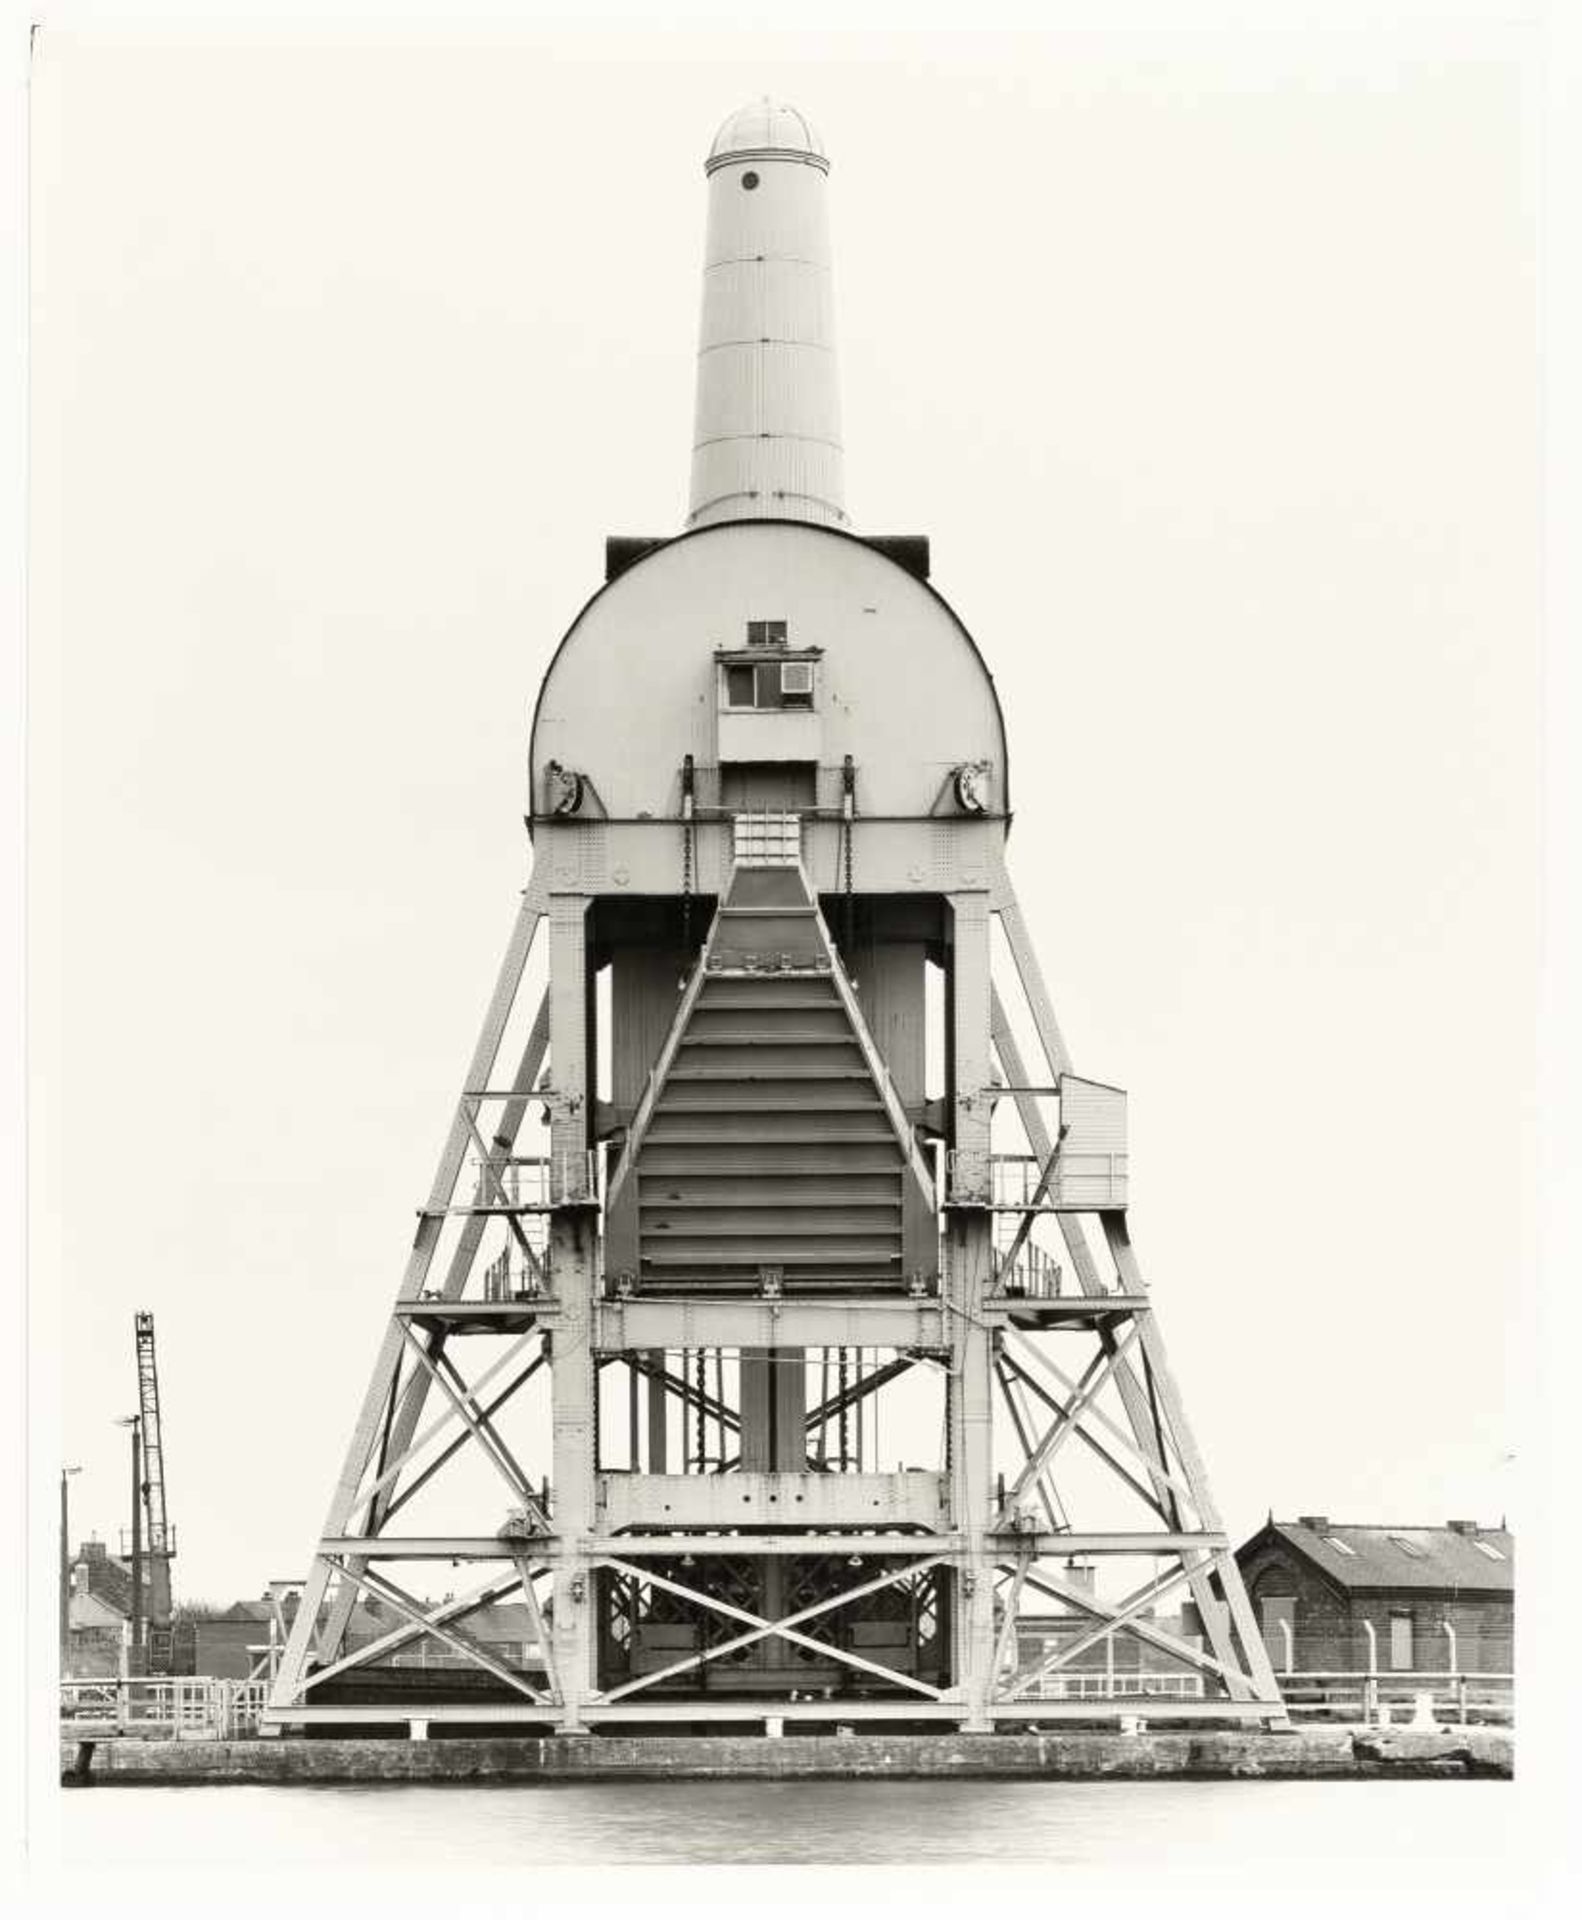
(766, 443)
(767, 128)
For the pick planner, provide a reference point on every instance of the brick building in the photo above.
(1318, 1585)
(99, 1605)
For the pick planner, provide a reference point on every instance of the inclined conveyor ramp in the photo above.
(770, 1151)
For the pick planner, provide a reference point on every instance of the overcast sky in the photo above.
(1207, 361)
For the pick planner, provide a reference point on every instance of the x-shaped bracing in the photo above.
(1125, 1614)
(439, 1621)
(463, 1407)
(1066, 1421)
(760, 1628)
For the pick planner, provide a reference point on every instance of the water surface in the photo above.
(1342, 1834)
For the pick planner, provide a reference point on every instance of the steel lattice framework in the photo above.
(1039, 1366)
(702, 1236)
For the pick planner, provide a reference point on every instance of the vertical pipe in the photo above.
(137, 1538)
(658, 1411)
(1370, 1686)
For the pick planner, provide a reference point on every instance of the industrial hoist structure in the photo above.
(772, 1347)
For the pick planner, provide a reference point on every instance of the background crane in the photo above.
(160, 1547)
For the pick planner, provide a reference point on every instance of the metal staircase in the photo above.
(770, 1152)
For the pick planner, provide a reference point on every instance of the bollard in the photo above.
(1423, 1720)
(417, 1729)
(775, 1726)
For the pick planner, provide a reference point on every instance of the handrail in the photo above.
(163, 1706)
(1366, 1694)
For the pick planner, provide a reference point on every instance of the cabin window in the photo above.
(766, 633)
(796, 683)
(769, 686)
(1400, 1643)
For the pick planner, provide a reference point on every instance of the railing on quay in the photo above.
(1373, 1697)
(1117, 1686)
(191, 1707)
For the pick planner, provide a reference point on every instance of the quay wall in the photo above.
(1321, 1753)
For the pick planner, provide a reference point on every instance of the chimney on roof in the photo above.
(1462, 1526)
(1319, 1522)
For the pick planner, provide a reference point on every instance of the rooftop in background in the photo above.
(767, 127)
(103, 1578)
(1457, 1555)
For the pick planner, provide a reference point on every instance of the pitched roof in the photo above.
(501, 1620)
(107, 1580)
(1432, 1559)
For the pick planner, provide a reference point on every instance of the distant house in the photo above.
(228, 1644)
(1437, 1599)
(99, 1605)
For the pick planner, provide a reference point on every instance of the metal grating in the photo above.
(767, 839)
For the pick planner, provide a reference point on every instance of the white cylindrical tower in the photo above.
(767, 438)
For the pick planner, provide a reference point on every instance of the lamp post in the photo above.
(65, 1569)
(135, 1422)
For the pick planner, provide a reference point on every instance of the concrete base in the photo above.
(1319, 1753)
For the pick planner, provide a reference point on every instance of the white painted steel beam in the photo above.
(825, 1500)
(1156, 1708)
(626, 1325)
(751, 1545)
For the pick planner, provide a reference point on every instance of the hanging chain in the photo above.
(688, 788)
(848, 809)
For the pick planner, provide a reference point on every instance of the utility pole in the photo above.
(65, 1568)
(136, 1424)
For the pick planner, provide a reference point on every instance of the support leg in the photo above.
(574, 1275)
(970, 1254)
(1248, 1673)
(304, 1636)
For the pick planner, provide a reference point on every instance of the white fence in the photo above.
(1117, 1686)
(1372, 1698)
(194, 1708)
